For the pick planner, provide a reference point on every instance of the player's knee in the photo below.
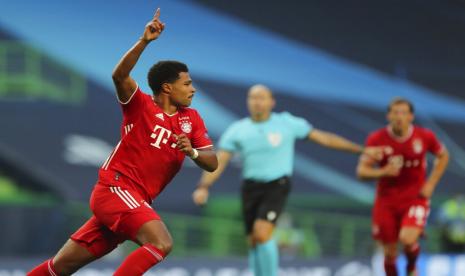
(261, 236)
(390, 252)
(407, 240)
(165, 246)
(65, 267)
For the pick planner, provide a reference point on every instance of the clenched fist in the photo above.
(200, 196)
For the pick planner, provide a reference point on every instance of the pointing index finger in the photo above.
(157, 14)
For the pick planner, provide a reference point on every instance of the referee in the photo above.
(265, 142)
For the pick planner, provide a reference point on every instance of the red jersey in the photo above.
(147, 153)
(410, 154)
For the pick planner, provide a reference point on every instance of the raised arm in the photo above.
(200, 195)
(125, 85)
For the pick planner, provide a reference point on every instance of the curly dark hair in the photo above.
(166, 71)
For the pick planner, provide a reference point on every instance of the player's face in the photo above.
(260, 102)
(182, 90)
(399, 116)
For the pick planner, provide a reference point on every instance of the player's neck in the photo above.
(260, 117)
(401, 132)
(165, 105)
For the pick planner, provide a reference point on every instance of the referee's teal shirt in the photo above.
(265, 148)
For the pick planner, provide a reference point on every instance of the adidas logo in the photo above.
(160, 116)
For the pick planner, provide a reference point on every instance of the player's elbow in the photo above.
(117, 76)
(210, 169)
(445, 156)
(212, 166)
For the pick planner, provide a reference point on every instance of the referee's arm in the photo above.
(333, 141)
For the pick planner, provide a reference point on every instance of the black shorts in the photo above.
(263, 200)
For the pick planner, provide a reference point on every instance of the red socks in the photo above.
(412, 252)
(140, 260)
(44, 269)
(137, 263)
(390, 266)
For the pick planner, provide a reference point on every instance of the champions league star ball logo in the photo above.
(186, 127)
(417, 146)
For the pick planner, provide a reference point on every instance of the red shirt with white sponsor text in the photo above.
(147, 153)
(410, 155)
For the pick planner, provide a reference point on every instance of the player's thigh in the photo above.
(409, 235)
(251, 196)
(385, 223)
(155, 233)
(414, 221)
(122, 210)
(96, 238)
(274, 200)
(271, 206)
(71, 257)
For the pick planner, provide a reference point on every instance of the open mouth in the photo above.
(190, 97)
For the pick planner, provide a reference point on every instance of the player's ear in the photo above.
(387, 117)
(166, 88)
(273, 103)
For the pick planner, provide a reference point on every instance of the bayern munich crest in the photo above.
(186, 127)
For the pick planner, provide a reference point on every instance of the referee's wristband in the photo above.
(195, 154)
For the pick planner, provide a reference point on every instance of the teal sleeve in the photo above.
(300, 127)
(228, 140)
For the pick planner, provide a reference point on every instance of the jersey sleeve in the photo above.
(372, 140)
(200, 138)
(300, 126)
(434, 145)
(132, 107)
(229, 139)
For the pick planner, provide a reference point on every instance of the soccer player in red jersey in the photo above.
(402, 203)
(157, 133)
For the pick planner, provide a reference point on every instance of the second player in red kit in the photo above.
(403, 193)
(157, 133)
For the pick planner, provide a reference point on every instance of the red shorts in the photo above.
(390, 217)
(118, 215)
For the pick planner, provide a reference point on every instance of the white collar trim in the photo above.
(397, 138)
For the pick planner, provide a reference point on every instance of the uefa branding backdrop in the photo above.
(438, 265)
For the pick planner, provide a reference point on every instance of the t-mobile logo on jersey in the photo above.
(161, 135)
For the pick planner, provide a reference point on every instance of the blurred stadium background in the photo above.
(336, 63)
